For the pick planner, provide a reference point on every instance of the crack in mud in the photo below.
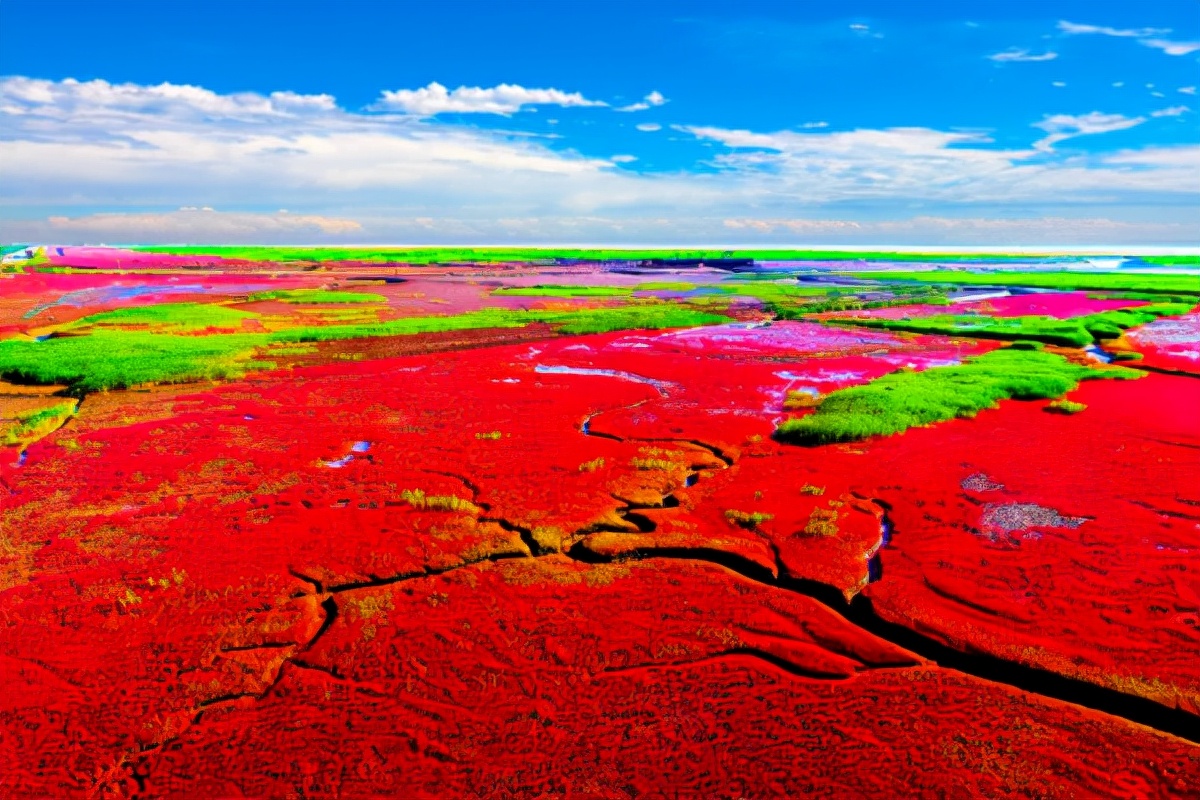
(860, 611)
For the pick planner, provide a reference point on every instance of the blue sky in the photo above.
(613, 122)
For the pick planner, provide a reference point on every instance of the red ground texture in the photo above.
(264, 589)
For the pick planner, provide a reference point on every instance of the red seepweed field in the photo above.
(533, 531)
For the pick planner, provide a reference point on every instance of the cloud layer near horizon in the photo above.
(117, 154)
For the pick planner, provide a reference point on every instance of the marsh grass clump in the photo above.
(593, 465)
(748, 520)
(816, 491)
(1127, 355)
(651, 463)
(418, 499)
(798, 399)
(906, 399)
(822, 522)
(1065, 406)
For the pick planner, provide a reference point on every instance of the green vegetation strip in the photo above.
(1074, 332)
(315, 296)
(906, 399)
(183, 316)
(106, 358)
(556, 290)
(33, 425)
(1186, 284)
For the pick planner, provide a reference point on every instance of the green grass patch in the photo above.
(1187, 284)
(906, 399)
(317, 296)
(108, 359)
(557, 290)
(665, 286)
(1173, 261)
(647, 317)
(182, 316)
(1074, 332)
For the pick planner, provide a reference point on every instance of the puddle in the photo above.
(360, 447)
(341, 462)
(1096, 354)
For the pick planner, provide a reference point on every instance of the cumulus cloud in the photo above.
(652, 99)
(1172, 48)
(20, 96)
(1076, 28)
(503, 99)
(1060, 127)
(649, 127)
(1014, 54)
(98, 148)
(1150, 37)
(1187, 89)
(1173, 111)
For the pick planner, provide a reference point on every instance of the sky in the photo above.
(614, 122)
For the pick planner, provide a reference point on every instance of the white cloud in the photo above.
(201, 225)
(98, 148)
(1187, 89)
(1172, 48)
(503, 99)
(1014, 54)
(70, 97)
(623, 159)
(1173, 111)
(1151, 37)
(1134, 33)
(858, 26)
(1059, 84)
(1060, 127)
(653, 99)
(962, 230)
(813, 125)
(1119, 84)
(649, 127)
